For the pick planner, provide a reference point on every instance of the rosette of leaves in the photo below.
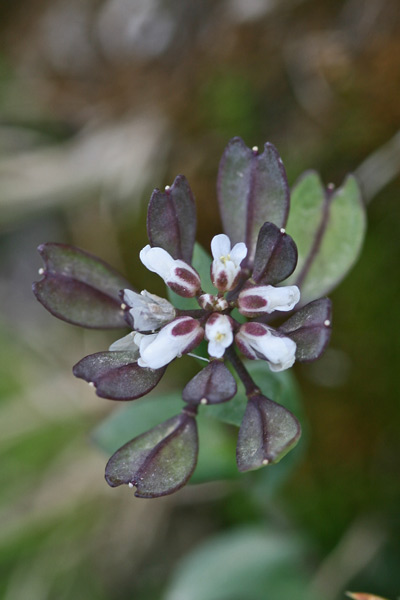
(313, 246)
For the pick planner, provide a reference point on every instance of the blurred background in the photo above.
(100, 102)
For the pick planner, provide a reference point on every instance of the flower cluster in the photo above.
(230, 317)
(161, 335)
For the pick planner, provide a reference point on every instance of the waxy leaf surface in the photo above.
(159, 461)
(268, 431)
(328, 228)
(276, 256)
(80, 288)
(310, 327)
(215, 383)
(252, 189)
(171, 219)
(117, 376)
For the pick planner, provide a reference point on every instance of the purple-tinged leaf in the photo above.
(328, 227)
(158, 462)
(212, 385)
(252, 189)
(80, 288)
(171, 219)
(276, 255)
(268, 432)
(310, 327)
(117, 376)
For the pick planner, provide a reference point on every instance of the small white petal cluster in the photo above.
(225, 268)
(148, 311)
(173, 336)
(257, 340)
(264, 299)
(219, 334)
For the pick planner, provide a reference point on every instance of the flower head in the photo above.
(257, 340)
(225, 268)
(177, 338)
(219, 334)
(264, 299)
(177, 274)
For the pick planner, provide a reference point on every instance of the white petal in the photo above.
(279, 351)
(127, 343)
(130, 297)
(220, 246)
(281, 298)
(215, 349)
(238, 253)
(157, 260)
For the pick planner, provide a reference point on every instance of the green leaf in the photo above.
(246, 563)
(202, 263)
(329, 229)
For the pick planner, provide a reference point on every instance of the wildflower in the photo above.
(176, 338)
(264, 299)
(249, 260)
(177, 274)
(219, 334)
(225, 268)
(257, 340)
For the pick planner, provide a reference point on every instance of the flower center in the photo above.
(225, 259)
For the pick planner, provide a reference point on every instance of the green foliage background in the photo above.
(93, 116)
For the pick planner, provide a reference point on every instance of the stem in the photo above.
(244, 375)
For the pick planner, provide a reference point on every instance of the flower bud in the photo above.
(264, 299)
(258, 341)
(210, 302)
(225, 268)
(148, 311)
(219, 334)
(177, 274)
(176, 338)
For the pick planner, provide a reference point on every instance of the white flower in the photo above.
(176, 338)
(225, 267)
(257, 340)
(261, 299)
(148, 311)
(177, 274)
(219, 334)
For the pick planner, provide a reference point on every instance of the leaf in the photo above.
(158, 462)
(276, 255)
(117, 376)
(252, 189)
(310, 327)
(213, 384)
(202, 264)
(217, 444)
(328, 228)
(171, 219)
(268, 432)
(280, 386)
(243, 563)
(80, 288)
